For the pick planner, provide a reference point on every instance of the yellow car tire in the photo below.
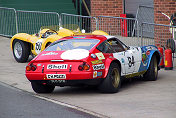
(21, 50)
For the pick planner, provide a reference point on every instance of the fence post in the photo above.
(141, 34)
(16, 21)
(137, 31)
(97, 22)
(60, 20)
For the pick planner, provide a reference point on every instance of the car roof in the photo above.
(98, 37)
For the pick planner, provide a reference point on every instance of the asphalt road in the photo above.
(136, 99)
(15, 103)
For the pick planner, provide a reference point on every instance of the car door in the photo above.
(129, 62)
(124, 55)
(137, 56)
(108, 50)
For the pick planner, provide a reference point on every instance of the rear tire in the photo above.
(152, 72)
(40, 88)
(112, 82)
(21, 51)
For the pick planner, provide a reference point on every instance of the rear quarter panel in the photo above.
(20, 36)
(146, 62)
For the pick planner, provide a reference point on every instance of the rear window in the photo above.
(72, 44)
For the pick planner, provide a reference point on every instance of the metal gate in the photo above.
(146, 14)
(128, 30)
(163, 34)
(31, 21)
(78, 22)
(123, 28)
(8, 22)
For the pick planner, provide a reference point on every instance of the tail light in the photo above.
(80, 67)
(28, 68)
(31, 67)
(86, 67)
(83, 66)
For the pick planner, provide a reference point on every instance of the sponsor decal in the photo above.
(79, 37)
(96, 62)
(144, 56)
(98, 67)
(57, 66)
(99, 74)
(56, 76)
(94, 74)
(100, 55)
(123, 61)
(144, 59)
(151, 48)
(39, 64)
(120, 53)
(50, 53)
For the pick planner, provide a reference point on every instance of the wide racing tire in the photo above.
(40, 88)
(152, 71)
(112, 82)
(21, 50)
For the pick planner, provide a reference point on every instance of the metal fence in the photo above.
(74, 22)
(31, 21)
(163, 35)
(8, 21)
(145, 14)
(124, 28)
(128, 30)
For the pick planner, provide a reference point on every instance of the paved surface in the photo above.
(19, 104)
(136, 99)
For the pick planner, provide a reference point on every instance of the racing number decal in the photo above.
(130, 61)
(38, 46)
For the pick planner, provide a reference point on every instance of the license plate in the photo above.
(57, 66)
(57, 81)
(56, 76)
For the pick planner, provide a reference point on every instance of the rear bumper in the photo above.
(69, 82)
(69, 75)
(72, 78)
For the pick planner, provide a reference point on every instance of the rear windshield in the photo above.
(72, 44)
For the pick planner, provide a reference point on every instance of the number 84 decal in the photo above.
(130, 61)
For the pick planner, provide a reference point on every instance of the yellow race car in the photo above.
(23, 44)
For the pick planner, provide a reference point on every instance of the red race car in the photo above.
(90, 60)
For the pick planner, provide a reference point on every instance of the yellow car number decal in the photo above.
(38, 46)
